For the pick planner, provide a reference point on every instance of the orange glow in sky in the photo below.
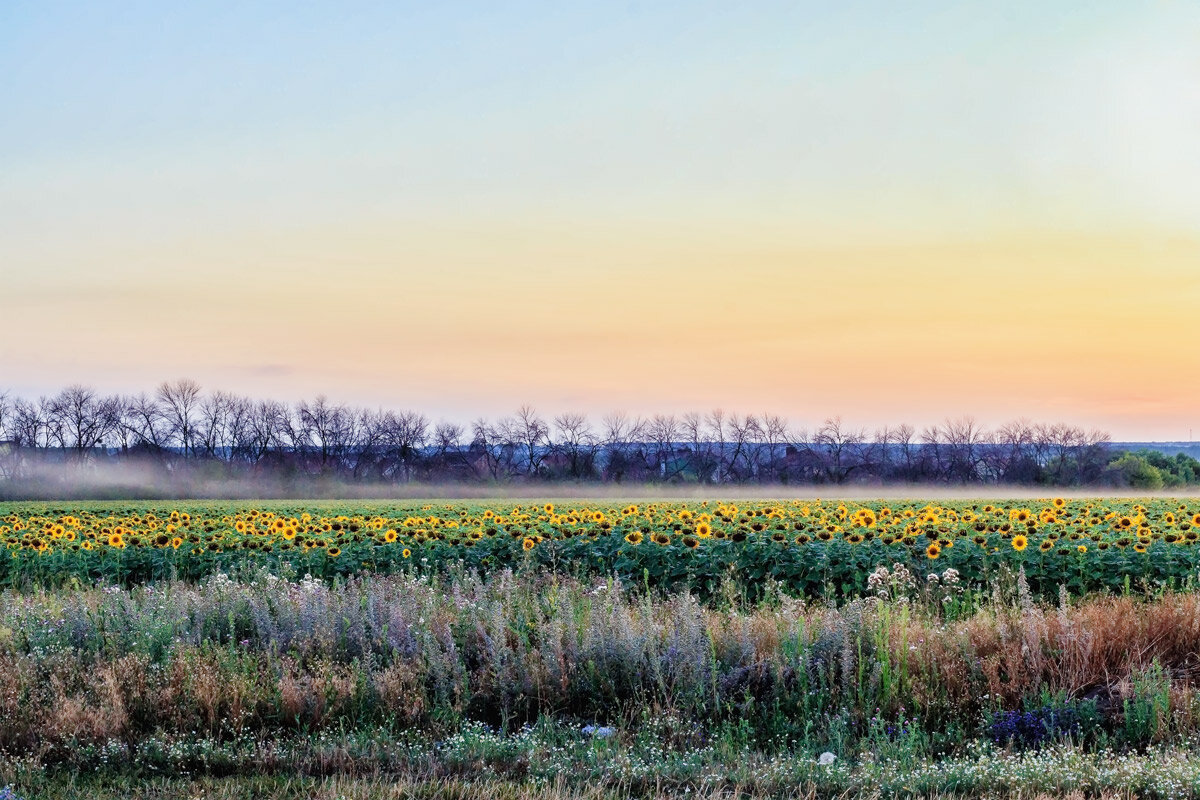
(894, 217)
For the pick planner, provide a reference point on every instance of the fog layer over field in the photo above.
(131, 481)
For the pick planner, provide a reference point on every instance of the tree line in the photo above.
(181, 427)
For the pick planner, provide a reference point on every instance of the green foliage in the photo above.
(1136, 472)
(1147, 708)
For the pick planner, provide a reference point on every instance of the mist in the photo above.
(134, 481)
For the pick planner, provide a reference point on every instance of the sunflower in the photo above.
(334, 552)
(933, 551)
(1046, 545)
(703, 530)
(634, 537)
(528, 543)
(406, 552)
(390, 536)
(1019, 543)
(116, 540)
(691, 542)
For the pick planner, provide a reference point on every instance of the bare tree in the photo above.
(663, 432)
(270, 429)
(964, 442)
(32, 425)
(841, 449)
(404, 434)
(447, 443)
(707, 436)
(239, 418)
(490, 447)
(5, 416)
(744, 433)
(903, 436)
(577, 444)
(180, 401)
(775, 433)
(326, 429)
(621, 437)
(82, 418)
(1012, 457)
(529, 432)
(212, 425)
(8, 455)
(146, 426)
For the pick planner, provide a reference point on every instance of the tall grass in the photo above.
(223, 659)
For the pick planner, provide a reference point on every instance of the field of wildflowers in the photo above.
(813, 548)
(793, 649)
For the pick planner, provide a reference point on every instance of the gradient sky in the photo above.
(888, 211)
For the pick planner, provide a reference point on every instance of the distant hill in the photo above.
(1166, 448)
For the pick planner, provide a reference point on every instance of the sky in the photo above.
(892, 212)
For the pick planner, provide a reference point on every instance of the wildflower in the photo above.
(598, 731)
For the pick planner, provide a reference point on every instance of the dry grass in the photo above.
(92, 666)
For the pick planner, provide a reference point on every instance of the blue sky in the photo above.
(252, 159)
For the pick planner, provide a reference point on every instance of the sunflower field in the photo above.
(811, 548)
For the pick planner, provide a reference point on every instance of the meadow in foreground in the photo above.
(539, 680)
(714, 650)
